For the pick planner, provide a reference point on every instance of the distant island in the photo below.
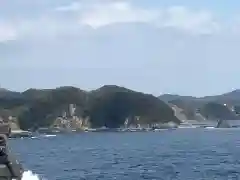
(110, 106)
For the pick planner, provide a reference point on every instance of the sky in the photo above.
(181, 47)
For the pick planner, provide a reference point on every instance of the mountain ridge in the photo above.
(208, 106)
(109, 105)
(230, 93)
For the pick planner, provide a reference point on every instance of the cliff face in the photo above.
(107, 106)
(224, 106)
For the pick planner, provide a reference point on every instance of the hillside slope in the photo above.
(224, 106)
(107, 106)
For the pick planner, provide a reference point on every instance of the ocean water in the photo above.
(184, 154)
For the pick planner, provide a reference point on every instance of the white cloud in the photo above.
(103, 13)
(75, 6)
(7, 32)
(98, 14)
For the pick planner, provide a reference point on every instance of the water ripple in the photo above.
(175, 155)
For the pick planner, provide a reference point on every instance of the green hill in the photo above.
(223, 106)
(107, 106)
(112, 105)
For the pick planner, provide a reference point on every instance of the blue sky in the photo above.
(183, 47)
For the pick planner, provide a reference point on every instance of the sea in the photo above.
(182, 154)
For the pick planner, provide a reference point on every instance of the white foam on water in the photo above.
(29, 175)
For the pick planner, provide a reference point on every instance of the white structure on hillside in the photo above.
(126, 123)
(72, 109)
(64, 114)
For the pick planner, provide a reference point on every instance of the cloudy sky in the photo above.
(185, 47)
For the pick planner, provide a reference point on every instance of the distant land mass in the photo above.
(224, 106)
(110, 106)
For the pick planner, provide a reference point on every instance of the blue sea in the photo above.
(184, 154)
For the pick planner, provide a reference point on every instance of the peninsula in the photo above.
(111, 106)
(70, 107)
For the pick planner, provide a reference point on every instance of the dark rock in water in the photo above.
(223, 124)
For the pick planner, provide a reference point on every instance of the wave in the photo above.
(29, 175)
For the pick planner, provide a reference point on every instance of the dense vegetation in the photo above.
(111, 109)
(217, 111)
(211, 107)
(107, 106)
